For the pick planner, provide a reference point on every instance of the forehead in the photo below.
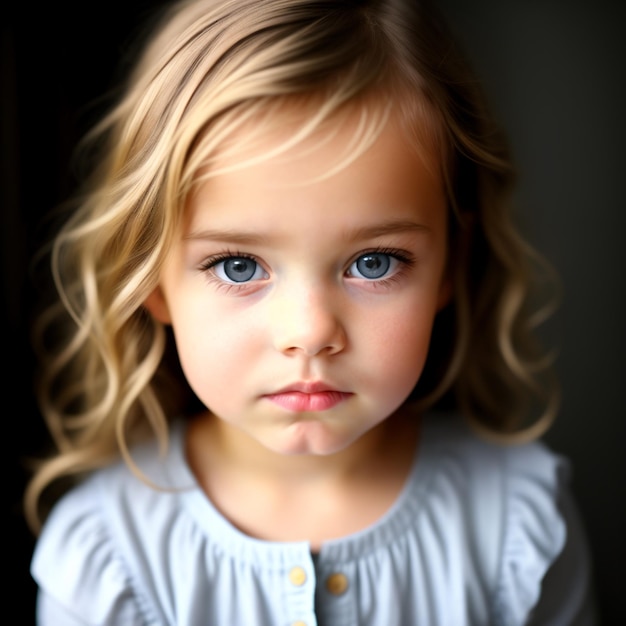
(356, 167)
(288, 130)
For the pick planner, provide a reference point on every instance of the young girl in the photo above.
(290, 372)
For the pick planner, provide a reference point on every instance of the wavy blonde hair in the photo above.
(109, 372)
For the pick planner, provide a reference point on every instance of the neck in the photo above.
(310, 498)
(222, 445)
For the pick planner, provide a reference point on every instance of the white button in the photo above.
(297, 576)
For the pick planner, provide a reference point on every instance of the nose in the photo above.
(307, 322)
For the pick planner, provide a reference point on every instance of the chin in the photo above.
(310, 439)
(315, 438)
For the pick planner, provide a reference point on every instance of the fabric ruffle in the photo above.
(535, 530)
(76, 553)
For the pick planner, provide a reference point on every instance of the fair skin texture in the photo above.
(302, 310)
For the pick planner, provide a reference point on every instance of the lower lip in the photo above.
(299, 402)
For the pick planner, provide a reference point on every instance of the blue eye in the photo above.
(238, 269)
(373, 265)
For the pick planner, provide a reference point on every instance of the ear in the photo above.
(156, 305)
(445, 292)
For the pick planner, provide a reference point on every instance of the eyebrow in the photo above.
(364, 232)
(233, 236)
(386, 228)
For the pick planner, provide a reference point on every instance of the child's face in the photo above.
(302, 310)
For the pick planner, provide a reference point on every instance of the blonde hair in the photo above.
(109, 373)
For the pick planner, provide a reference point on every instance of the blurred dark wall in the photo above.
(56, 61)
(554, 72)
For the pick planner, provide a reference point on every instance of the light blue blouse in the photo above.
(481, 534)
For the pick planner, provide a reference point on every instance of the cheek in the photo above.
(211, 350)
(400, 346)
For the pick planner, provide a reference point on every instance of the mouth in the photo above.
(308, 397)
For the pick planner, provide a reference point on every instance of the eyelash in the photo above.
(208, 264)
(406, 260)
(212, 261)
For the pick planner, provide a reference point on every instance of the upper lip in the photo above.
(307, 387)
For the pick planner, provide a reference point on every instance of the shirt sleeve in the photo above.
(49, 612)
(80, 576)
(545, 571)
(567, 597)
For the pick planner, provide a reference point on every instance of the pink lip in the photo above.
(303, 397)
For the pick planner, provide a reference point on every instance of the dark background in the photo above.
(554, 71)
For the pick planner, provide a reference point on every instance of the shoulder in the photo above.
(102, 534)
(498, 471)
(502, 483)
(515, 505)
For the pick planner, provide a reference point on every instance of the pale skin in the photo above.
(302, 310)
